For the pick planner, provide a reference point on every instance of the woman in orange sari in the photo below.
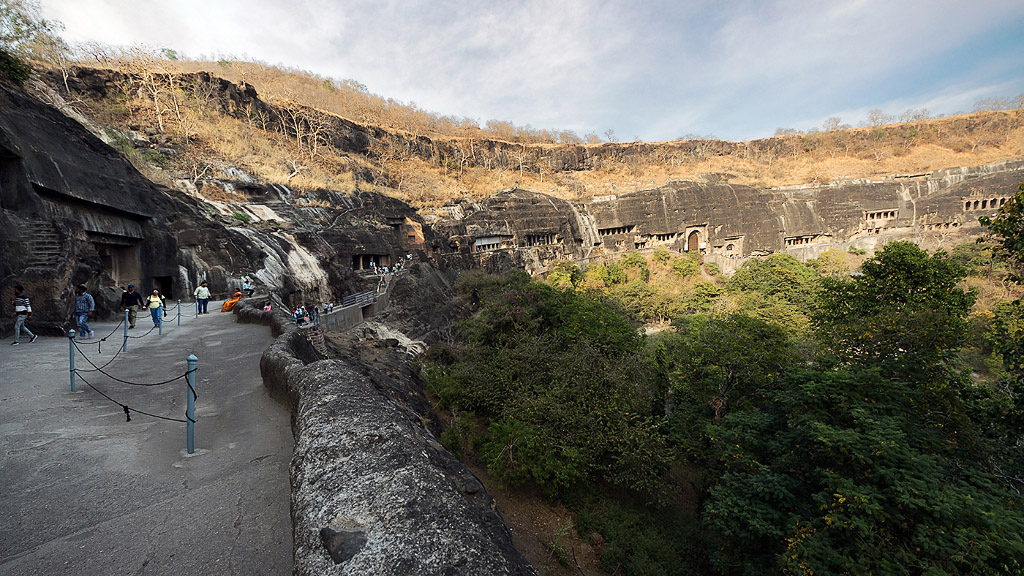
(231, 303)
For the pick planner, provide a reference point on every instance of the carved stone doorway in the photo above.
(693, 241)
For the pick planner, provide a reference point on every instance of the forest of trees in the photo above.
(794, 419)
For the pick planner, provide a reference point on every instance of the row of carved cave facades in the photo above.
(618, 237)
(984, 203)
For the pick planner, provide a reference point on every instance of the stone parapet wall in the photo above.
(373, 492)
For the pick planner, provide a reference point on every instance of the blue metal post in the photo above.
(71, 354)
(160, 319)
(197, 307)
(190, 409)
(179, 311)
(124, 344)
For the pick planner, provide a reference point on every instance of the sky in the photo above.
(645, 70)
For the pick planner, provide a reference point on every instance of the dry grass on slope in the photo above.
(209, 138)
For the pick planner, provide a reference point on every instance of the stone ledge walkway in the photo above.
(85, 492)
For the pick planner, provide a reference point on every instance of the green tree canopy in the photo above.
(779, 275)
(903, 311)
(838, 472)
(25, 33)
(563, 383)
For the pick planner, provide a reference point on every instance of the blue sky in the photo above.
(653, 70)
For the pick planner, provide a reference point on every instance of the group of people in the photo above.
(302, 315)
(132, 301)
(399, 266)
(383, 271)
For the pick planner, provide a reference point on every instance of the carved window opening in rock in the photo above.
(693, 241)
(967, 205)
(1001, 202)
(665, 237)
(542, 239)
(729, 247)
(639, 244)
(984, 204)
(489, 243)
(977, 203)
(882, 215)
(615, 231)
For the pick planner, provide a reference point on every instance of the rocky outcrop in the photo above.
(373, 492)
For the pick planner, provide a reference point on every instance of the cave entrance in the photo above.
(368, 261)
(121, 261)
(693, 241)
(164, 284)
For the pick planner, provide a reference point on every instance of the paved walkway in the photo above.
(85, 492)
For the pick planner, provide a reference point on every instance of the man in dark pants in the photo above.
(130, 301)
(202, 295)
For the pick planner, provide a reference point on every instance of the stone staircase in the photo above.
(43, 245)
(316, 338)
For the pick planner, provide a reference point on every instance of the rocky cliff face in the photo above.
(730, 223)
(74, 211)
(373, 491)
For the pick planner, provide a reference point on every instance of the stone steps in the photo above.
(43, 245)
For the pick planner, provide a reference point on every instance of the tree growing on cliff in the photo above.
(26, 35)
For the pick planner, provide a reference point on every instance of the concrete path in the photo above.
(85, 492)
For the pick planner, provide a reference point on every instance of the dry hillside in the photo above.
(159, 96)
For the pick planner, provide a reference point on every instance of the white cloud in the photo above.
(650, 69)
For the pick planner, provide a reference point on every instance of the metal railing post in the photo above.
(160, 320)
(190, 410)
(179, 311)
(71, 354)
(124, 343)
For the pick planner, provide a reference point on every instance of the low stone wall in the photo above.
(373, 492)
(342, 319)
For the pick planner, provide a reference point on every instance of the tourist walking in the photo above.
(84, 307)
(22, 312)
(131, 301)
(202, 295)
(155, 301)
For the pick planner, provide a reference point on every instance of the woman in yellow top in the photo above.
(155, 301)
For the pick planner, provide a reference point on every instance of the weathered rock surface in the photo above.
(373, 492)
(728, 223)
(74, 211)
